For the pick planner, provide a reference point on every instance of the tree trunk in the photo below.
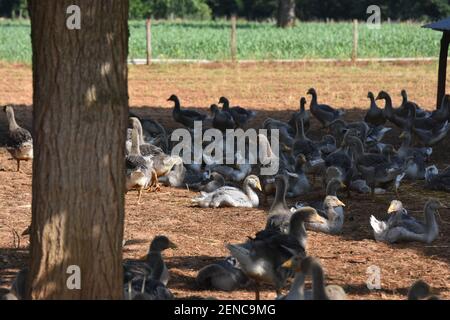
(80, 110)
(286, 13)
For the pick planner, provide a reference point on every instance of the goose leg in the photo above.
(18, 165)
(139, 197)
(257, 295)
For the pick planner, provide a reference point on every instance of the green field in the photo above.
(210, 40)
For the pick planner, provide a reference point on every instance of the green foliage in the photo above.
(164, 9)
(211, 40)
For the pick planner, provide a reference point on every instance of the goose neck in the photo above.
(297, 290)
(251, 194)
(280, 197)
(135, 144)
(318, 283)
(11, 119)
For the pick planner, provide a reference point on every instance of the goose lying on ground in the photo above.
(437, 181)
(231, 196)
(223, 275)
(334, 217)
(420, 290)
(391, 232)
(19, 142)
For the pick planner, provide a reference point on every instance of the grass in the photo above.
(210, 40)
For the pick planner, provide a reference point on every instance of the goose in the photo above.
(154, 133)
(176, 178)
(433, 136)
(163, 163)
(224, 275)
(399, 217)
(339, 128)
(19, 143)
(214, 181)
(389, 111)
(261, 258)
(306, 147)
(402, 111)
(327, 145)
(334, 217)
(324, 113)
(146, 149)
(152, 265)
(236, 173)
(185, 117)
(240, 115)
(231, 196)
(298, 181)
(311, 266)
(392, 233)
(144, 288)
(300, 115)
(420, 290)
(437, 181)
(140, 174)
(406, 150)
(222, 120)
(374, 116)
(279, 214)
(286, 133)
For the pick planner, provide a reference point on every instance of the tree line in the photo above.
(304, 10)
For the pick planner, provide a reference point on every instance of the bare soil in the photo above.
(273, 90)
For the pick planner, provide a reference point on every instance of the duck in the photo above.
(374, 116)
(222, 120)
(185, 117)
(232, 196)
(420, 290)
(19, 142)
(144, 288)
(302, 115)
(437, 181)
(223, 275)
(324, 113)
(152, 265)
(140, 174)
(393, 233)
(240, 115)
(334, 217)
(311, 266)
(261, 257)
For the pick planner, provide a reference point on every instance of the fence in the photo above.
(233, 54)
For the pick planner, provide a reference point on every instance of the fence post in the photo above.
(148, 25)
(233, 41)
(355, 41)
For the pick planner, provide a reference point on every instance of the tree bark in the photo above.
(286, 13)
(80, 110)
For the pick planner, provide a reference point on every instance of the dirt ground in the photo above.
(273, 90)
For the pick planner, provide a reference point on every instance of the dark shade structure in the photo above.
(444, 27)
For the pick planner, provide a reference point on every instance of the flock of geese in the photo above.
(349, 157)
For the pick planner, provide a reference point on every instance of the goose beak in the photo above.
(343, 185)
(172, 245)
(391, 209)
(287, 264)
(340, 203)
(402, 135)
(258, 186)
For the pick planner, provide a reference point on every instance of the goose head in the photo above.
(173, 98)
(333, 202)
(304, 214)
(294, 263)
(161, 243)
(312, 92)
(434, 205)
(395, 206)
(370, 95)
(223, 101)
(404, 95)
(302, 103)
(383, 95)
(419, 290)
(253, 182)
